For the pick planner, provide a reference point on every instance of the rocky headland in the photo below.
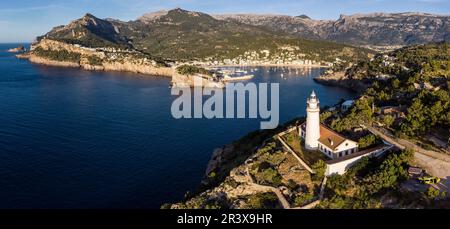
(17, 49)
(56, 53)
(340, 79)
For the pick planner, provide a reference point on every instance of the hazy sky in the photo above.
(23, 20)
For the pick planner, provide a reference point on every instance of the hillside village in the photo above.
(286, 56)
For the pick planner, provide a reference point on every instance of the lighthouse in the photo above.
(312, 122)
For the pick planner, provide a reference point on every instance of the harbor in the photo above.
(233, 75)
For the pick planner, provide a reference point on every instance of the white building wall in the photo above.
(341, 167)
(312, 123)
(312, 131)
(346, 148)
(346, 145)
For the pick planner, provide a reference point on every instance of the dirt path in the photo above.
(264, 188)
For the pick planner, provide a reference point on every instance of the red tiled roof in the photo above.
(328, 137)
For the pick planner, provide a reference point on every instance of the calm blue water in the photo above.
(80, 139)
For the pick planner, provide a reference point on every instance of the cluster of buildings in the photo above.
(341, 151)
(265, 57)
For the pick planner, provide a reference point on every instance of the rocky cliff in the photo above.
(56, 53)
(358, 29)
(181, 81)
(183, 35)
(340, 79)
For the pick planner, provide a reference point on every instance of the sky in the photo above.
(23, 20)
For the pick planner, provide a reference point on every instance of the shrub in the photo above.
(263, 201)
(303, 198)
(58, 55)
(95, 60)
(367, 141)
(388, 120)
(291, 184)
(337, 184)
(390, 172)
(319, 169)
(264, 166)
(272, 177)
(191, 70)
(432, 193)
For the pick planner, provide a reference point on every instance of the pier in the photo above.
(237, 78)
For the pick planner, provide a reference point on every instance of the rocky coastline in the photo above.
(109, 59)
(17, 49)
(339, 79)
(183, 81)
(105, 63)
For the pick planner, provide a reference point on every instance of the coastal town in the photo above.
(289, 56)
(56, 53)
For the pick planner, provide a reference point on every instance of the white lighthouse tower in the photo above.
(312, 122)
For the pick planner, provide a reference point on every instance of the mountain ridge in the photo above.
(187, 35)
(377, 28)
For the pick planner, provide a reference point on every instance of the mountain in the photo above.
(89, 31)
(185, 35)
(358, 29)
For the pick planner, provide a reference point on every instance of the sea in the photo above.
(75, 139)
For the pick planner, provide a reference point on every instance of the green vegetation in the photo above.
(271, 177)
(367, 141)
(192, 70)
(388, 120)
(265, 170)
(57, 55)
(428, 110)
(263, 201)
(432, 193)
(364, 184)
(95, 60)
(415, 77)
(201, 202)
(325, 115)
(182, 35)
(431, 61)
(294, 141)
(389, 173)
(241, 150)
(360, 113)
(89, 31)
(303, 199)
(319, 169)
